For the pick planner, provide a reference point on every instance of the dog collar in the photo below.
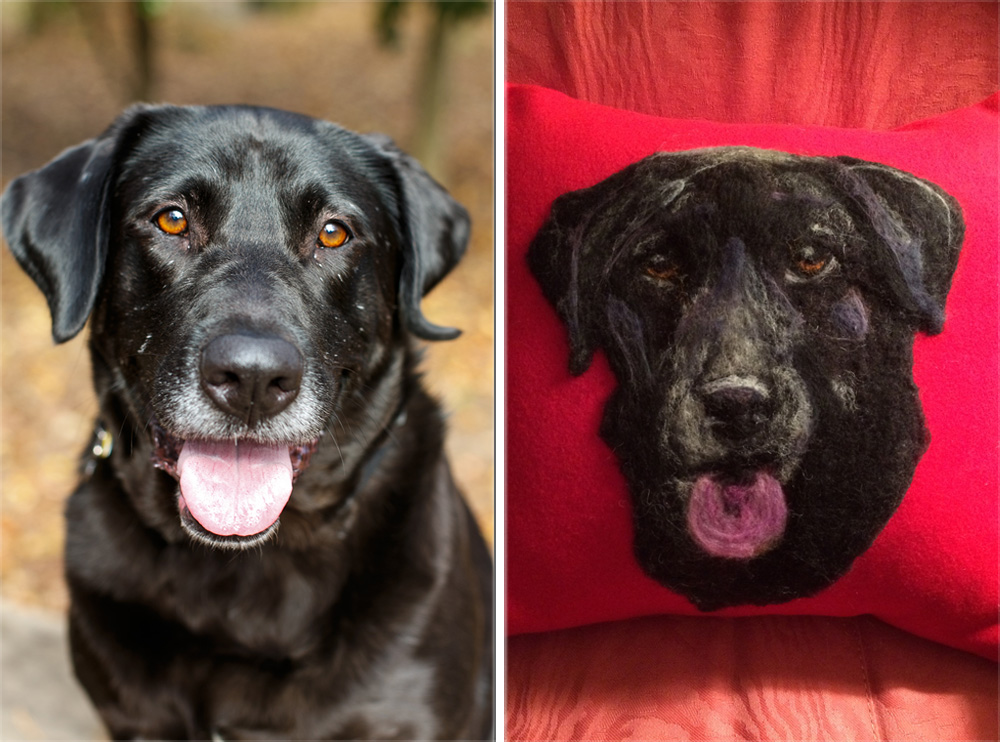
(103, 442)
(102, 447)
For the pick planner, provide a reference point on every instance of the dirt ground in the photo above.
(61, 85)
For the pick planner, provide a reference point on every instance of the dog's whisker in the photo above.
(333, 439)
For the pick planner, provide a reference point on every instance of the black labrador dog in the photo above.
(253, 281)
(758, 310)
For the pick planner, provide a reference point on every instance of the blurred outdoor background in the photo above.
(419, 72)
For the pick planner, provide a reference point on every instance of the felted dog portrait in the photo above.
(758, 310)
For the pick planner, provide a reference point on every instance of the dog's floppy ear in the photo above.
(554, 257)
(922, 227)
(569, 255)
(435, 232)
(55, 220)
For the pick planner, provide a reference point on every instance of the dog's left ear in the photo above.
(921, 225)
(435, 232)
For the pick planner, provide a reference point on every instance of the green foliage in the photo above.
(448, 11)
(151, 8)
(274, 6)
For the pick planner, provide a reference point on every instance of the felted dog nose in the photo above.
(251, 377)
(737, 407)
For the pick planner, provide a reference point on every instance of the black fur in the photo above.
(367, 614)
(758, 311)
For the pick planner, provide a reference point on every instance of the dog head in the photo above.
(252, 277)
(758, 310)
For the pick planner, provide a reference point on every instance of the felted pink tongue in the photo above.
(737, 521)
(234, 487)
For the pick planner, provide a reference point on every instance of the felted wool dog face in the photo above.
(758, 310)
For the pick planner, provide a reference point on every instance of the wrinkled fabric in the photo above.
(862, 65)
(772, 678)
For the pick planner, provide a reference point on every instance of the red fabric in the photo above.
(932, 571)
(870, 65)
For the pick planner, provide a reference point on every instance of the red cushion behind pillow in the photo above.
(932, 571)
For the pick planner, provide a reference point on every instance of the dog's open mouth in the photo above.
(737, 518)
(231, 491)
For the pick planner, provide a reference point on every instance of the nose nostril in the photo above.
(733, 402)
(736, 407)
(218, 377)
(283, 384)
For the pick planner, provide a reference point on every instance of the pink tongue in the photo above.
(737, 521)
(234, 488)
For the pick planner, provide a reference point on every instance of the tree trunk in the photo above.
(427, 136)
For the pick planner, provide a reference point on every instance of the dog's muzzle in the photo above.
(737, 438)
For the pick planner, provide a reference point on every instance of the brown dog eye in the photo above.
(808, 262)
(172, 221)
(667, 272)
(662, 274)
(334, 234)
(811, 267)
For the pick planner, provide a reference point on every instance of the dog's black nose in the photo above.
(249, 376)
(737, 408)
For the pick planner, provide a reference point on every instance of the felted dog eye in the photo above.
(662, 271)
(172, 221)
(334, 234)
(662, 274)
(811, 267)
(808, 262)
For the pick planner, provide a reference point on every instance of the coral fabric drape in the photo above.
(873, 65)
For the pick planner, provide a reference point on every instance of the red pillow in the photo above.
(931, 571)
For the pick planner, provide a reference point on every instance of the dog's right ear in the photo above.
(555, 257)
(588, 230)
(55, 220)
(568, 265)
(572, 250)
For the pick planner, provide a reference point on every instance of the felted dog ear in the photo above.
(923, 229)
(55, 220)
(435, 234)
(571, 250)
(554, 257)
